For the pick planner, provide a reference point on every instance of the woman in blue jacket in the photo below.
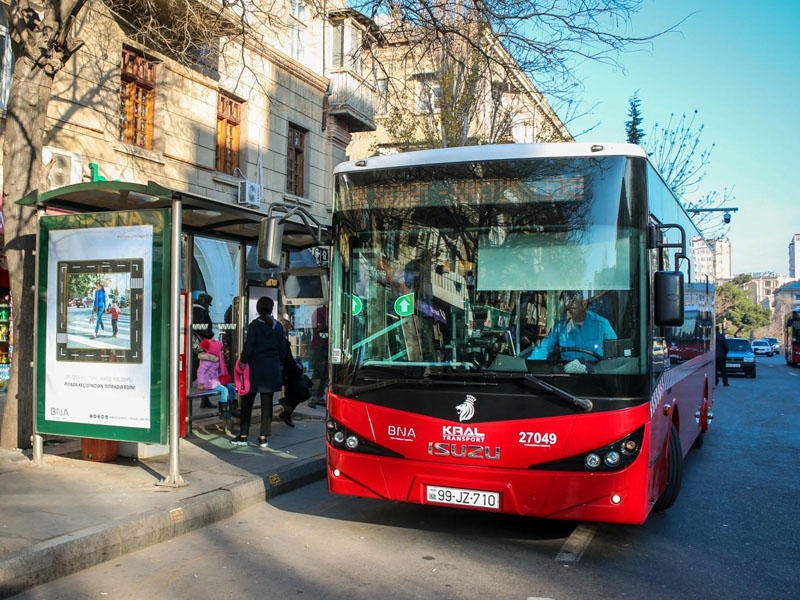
(99, 308)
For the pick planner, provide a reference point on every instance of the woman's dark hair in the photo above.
(264, 307)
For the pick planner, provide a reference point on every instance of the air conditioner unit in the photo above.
(65, 166)
(250, 194)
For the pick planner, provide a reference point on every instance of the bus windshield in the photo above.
(529, 266)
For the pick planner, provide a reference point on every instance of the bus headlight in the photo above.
(612, 457)
(592, 460)
(340, 438)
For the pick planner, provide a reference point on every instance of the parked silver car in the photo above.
(776, 345)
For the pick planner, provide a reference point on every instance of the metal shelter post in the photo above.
(241, 314)
(174, 478)
(37, 440)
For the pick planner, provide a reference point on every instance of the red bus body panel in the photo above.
(523, 491)
(793, 354)
(497, 456)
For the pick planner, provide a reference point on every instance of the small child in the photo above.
(212, 373)
(114, 311)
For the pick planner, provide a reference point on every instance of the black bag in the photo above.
(296, 391)
(300, 389)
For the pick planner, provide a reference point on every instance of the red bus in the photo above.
(500, 324)
(792, 338)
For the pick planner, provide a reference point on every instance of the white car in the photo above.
(762, 346)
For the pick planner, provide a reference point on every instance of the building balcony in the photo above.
(352, 100)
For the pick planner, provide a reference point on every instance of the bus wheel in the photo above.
(703, 418)
(674, 472)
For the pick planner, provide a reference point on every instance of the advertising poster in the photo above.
(102, 348)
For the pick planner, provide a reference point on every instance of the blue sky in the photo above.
(736, 63)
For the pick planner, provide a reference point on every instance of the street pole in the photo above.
(174, 479)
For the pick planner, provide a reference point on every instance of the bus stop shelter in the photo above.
(104, 222)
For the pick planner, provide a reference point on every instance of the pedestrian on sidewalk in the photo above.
(319, 355)
(294, 388)
(722, 355)
(263, 352)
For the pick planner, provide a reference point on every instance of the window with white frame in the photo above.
(382, 96)
(347, 42)
(298, 30)
(429, 93)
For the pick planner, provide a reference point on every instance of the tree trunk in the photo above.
(22, 168)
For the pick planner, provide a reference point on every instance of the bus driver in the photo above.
(579, 335)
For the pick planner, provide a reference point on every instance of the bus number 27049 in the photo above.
(537, 438)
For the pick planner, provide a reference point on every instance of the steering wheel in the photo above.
(591, 353)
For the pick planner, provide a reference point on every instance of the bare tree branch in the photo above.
(676, 152)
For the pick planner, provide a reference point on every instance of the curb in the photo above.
(82, 549)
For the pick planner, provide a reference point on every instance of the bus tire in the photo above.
(674, 472)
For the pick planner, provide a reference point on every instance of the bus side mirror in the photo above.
(270, 243)
(668, 298)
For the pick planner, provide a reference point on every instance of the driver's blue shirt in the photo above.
(589, 335)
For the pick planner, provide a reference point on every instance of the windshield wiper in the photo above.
(384, 383)
(582, 403)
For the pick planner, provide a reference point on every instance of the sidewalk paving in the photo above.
(69, 513)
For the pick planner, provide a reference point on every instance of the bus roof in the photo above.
(491, 152)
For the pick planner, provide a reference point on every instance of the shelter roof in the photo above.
(200, 215)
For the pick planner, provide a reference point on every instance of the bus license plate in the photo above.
(463, 497)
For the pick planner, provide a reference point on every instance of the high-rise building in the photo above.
(713, 260)
(794, 256)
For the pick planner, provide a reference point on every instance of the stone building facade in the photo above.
(430, 94)
(256, 121)
(253, 120)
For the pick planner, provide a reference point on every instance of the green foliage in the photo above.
(633, 127)
(737, 312)
(81, 285)
(742, 280)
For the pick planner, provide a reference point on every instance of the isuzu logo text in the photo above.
(463, 450)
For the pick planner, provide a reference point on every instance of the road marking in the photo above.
(577, 543)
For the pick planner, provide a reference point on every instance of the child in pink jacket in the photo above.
(212, 373)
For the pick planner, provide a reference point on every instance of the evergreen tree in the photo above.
(633, 127)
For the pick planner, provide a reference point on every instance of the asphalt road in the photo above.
(731, 534)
